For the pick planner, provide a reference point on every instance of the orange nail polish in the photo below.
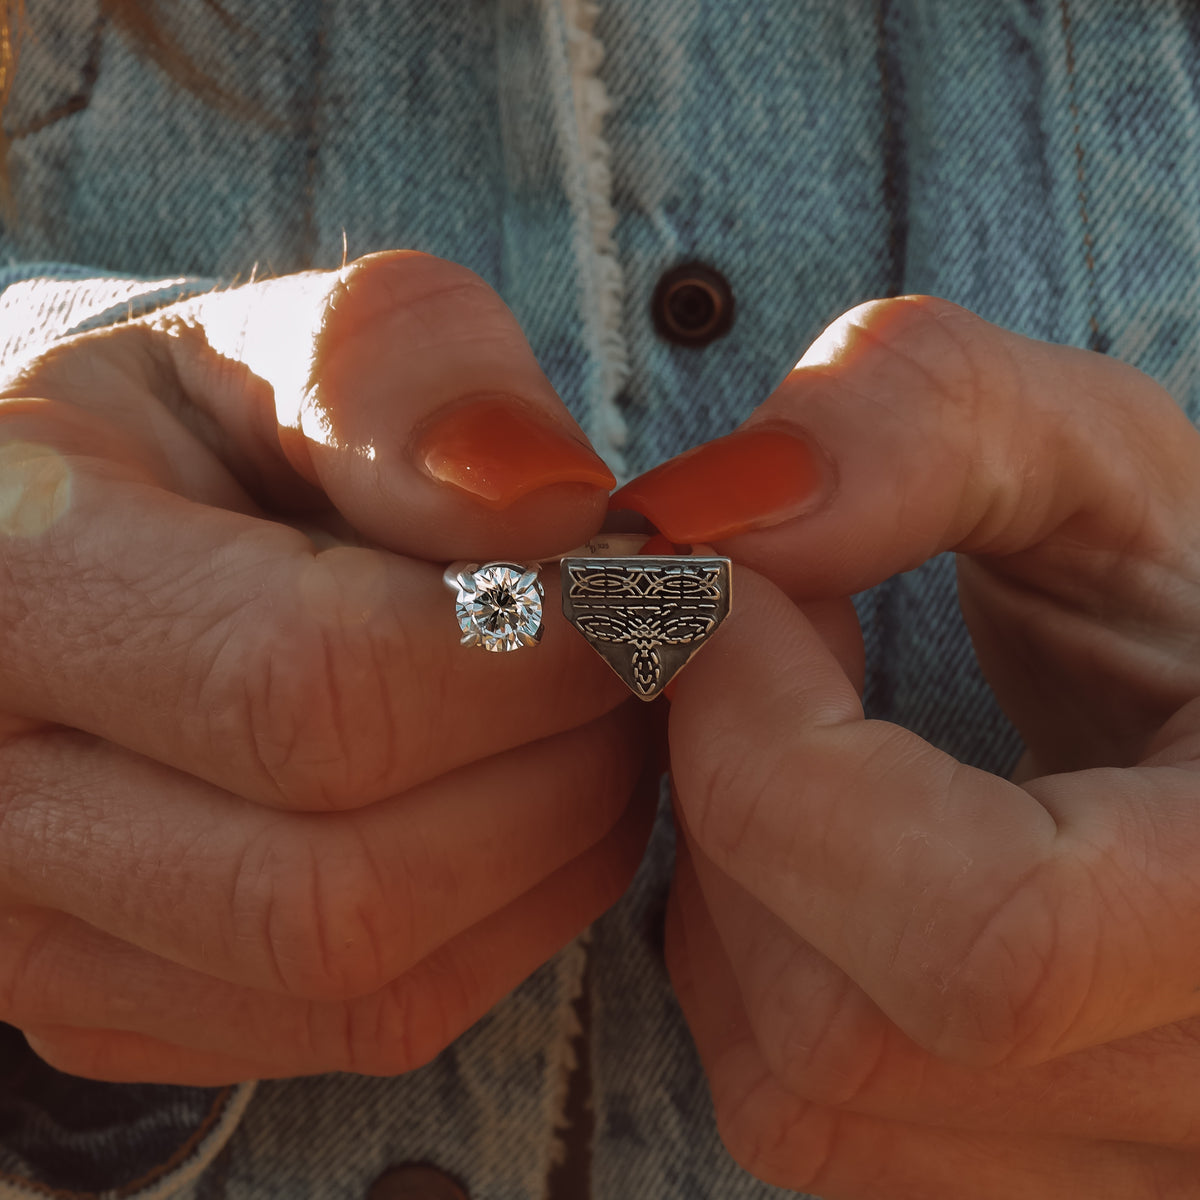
(748, 480)
(498, 450)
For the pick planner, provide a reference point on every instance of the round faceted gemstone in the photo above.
(499, 607)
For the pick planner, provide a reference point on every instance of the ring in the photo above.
(646, 616)
(499, 604)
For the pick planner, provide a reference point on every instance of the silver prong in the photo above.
(458, 572)
(499, 604)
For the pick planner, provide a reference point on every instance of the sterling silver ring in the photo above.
(645, 615)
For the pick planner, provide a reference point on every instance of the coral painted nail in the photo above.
(748, 480)
(498, 450)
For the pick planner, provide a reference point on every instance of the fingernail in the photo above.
(498, 451)
(748, 480)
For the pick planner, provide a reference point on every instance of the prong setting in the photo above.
(498, 605)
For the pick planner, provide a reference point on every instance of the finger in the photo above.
(400, 390)
(66, 976)
(319, 905)
(114, 1056)
(836, 623)
(991, 923)
(231, 648)
(841, 1155)
(912, 427)
(825, 1042)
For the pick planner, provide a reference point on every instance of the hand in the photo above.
(907, 977)
(260, 813)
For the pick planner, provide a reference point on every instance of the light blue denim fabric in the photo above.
(1034, 160)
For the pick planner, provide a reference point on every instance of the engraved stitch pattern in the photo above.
(646, 607)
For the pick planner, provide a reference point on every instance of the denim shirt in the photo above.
(1035, 160)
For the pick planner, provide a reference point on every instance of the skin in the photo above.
(247, 830)
(261, 814)
(902, 973)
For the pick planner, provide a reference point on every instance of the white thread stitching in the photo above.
(562, 1061)
(179, 1177)
(589, 188)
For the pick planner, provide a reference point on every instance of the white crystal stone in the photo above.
(499, 607)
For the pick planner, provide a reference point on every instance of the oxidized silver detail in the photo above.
(646, 616)
(499, 605)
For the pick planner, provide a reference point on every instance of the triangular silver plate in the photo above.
(646, 616)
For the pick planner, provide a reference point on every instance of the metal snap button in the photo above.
(416, 1181)
(692, 305)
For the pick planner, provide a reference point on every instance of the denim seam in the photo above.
(312, 158)
(570, 1174)
(165, 1180)
(892, 198)
(1089, 257)
(588, 178)
(561, 1055)
(210, 1140)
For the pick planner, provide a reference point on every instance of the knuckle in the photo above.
(421, 294)
(723, 788)
(948, 353)
(821, 1037)
(412, 1020)
(779, 1138)
(296, 725)
(1008, 994)
(317, 909)
(187, 342)
(33, 983)
(307, 700)
(401, 276)
(745, 796)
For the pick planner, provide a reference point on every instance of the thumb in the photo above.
(401, 391)
(912, 427)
